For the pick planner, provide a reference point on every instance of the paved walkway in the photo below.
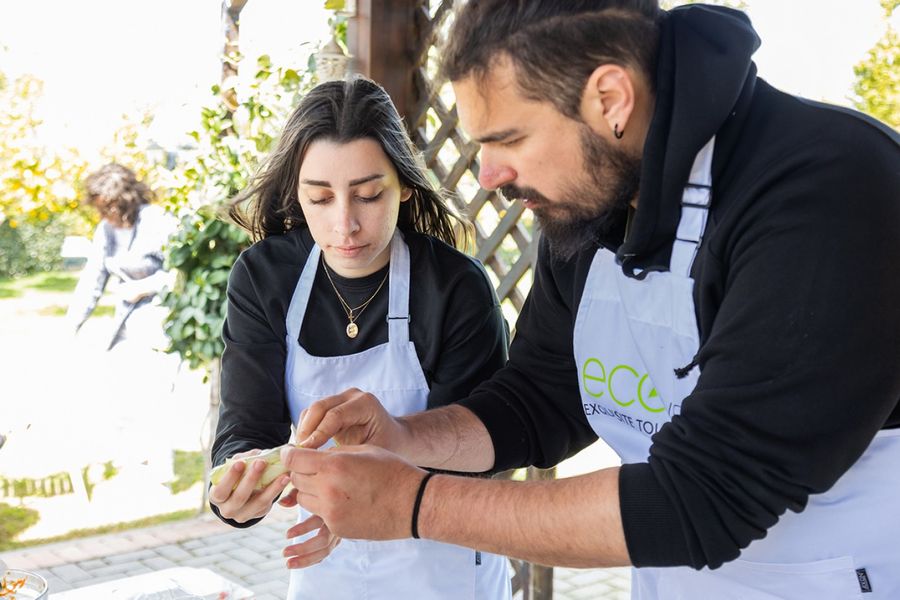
(249, 557)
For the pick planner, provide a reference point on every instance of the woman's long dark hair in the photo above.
(341, 112)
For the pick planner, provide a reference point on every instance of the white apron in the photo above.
(629, 337)
(396, 569)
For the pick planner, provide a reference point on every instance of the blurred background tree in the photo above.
(877, 85)
(230, 147)
(39, 200)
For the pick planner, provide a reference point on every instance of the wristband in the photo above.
(418, 504)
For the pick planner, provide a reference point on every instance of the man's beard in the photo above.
(588, 206)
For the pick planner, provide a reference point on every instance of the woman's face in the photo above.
(350, 195)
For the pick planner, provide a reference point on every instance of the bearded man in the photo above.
(715, 296)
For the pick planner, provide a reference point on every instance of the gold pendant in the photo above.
(352, 330)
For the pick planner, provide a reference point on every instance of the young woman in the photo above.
(354, 282)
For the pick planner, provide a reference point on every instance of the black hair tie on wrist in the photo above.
(418, 504)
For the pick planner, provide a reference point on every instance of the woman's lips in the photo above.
(348, 251)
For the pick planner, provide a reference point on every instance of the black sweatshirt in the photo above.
(797, 299)
(456, 326)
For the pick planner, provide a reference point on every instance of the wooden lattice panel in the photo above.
(505, 239)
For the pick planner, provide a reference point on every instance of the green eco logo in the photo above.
(623, 384)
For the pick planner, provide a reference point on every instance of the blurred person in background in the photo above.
(128, 248)
(127, 257)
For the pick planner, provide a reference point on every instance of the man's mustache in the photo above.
(513, 192)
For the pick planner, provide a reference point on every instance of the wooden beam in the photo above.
(381, 39)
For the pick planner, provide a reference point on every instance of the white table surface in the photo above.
(179, 583)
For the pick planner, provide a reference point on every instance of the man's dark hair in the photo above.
(554, 45)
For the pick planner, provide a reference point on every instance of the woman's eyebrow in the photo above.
(360, 181)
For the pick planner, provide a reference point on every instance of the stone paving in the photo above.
(249, 557)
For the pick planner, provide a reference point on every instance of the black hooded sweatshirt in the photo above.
(796, 294)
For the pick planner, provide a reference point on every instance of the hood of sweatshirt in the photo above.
(703, 68)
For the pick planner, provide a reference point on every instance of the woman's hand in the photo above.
(235, 495)
(352, 417)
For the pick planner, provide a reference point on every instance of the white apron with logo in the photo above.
(630, 336)
(397, 569)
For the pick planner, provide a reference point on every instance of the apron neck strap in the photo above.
(300, 299)
(695, 202)
(398, 290)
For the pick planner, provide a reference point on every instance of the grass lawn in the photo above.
(8, 545)
(53, 282)
(46, 282)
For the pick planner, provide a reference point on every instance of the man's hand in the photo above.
(450, 438)
(360, 492)
(352, 417)
(235, 495)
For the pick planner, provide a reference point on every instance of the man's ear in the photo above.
(608, 100)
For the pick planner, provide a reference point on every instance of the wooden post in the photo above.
(231, 16)
(381, 37)
(541, 584)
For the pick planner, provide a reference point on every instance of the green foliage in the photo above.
(231, 147)
(38, 203)
(877, 85)
(13, 521)
(32, 247)
(188, 467)
(202, 251)
(132, 146)
(56, 484)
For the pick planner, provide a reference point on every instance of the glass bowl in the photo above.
(35, 586)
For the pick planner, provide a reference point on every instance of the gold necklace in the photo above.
(352, 329)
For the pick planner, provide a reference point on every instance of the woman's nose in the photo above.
(347, 224)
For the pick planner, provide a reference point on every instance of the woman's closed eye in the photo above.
(373, 198)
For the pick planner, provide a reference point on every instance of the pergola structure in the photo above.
(396, 42)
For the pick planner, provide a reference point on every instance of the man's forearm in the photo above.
(451, 438)
(573, 522)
